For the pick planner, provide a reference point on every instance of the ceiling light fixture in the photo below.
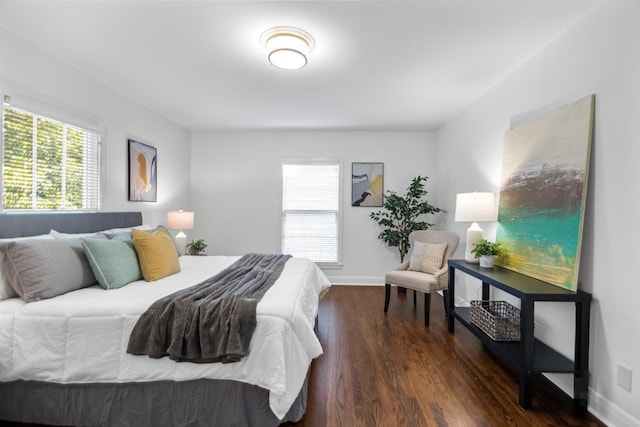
(287, 47)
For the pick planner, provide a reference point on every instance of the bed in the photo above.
(63, 360)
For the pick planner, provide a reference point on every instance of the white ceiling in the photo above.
(377, 65)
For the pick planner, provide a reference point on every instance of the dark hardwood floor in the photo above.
(391, 370)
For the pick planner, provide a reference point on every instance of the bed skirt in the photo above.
(161, 403)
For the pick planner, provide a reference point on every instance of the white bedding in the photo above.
(81, 336)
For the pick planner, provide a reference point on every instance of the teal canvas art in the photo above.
(543, 194)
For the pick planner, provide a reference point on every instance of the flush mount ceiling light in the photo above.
(287, 47)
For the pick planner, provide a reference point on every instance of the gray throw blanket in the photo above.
(212, 321)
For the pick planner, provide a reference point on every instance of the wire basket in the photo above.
(498, 319)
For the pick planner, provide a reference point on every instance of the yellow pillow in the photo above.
(156, 253)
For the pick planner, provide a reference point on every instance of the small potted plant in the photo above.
(487, 251)
(196, 247)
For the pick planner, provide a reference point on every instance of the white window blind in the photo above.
(311, 211)
(48, 164)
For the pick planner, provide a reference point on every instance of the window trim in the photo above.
(318, 161)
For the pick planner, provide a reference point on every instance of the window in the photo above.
(48, 164)
(311, 211)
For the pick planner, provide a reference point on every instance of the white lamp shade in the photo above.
(475, 207)
(180, 220)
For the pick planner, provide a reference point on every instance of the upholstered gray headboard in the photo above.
(33, 223)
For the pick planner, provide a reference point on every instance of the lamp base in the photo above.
(181, 242)
(474, 235)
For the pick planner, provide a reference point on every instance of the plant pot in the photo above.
(486, 261)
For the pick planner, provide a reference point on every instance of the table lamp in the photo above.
(180, 220)
(474, 207)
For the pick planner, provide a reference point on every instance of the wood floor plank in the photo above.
(390, 370)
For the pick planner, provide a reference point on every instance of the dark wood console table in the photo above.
(529, 356)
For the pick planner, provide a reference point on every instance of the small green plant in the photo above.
(196, 247)
(485, 247)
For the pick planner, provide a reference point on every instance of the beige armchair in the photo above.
(429, 273)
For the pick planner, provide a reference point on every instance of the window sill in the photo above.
(330, 265)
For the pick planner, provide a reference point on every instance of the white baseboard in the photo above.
(356, 280)
(459, 302)
(603, 409)
(610, 414)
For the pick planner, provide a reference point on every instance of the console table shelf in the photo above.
(545, 359)
(529, 355)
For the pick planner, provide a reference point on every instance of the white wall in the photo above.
(599, 55)
(237, 196)
(27, 73)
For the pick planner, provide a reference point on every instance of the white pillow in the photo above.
(6, 291)
(427, 257)
(115, 231)
(110, 233)
(59, 235)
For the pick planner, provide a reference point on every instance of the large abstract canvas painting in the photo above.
(543, 194)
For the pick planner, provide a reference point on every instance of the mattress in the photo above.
(81, 337)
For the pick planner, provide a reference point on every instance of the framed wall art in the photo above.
(543, 194)
(143, 172)
(367, 182)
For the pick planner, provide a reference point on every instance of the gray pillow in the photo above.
(40, 269)
(6, 291)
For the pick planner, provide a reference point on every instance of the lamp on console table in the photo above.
(180, 220)
(474, 207)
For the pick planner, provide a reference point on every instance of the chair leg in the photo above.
(387, 295)
(445, 300)
(427, 307)
(414, 298)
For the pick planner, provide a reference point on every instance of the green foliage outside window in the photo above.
(62, 159)
(18, 151)
(49, 165)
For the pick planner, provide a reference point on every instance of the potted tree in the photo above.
(400, 214)
(487, 251)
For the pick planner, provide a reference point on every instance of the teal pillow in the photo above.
(125, 236)
(114, 262)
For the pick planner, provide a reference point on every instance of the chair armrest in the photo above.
(442, 272)
(442, 276)
(403, 266)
